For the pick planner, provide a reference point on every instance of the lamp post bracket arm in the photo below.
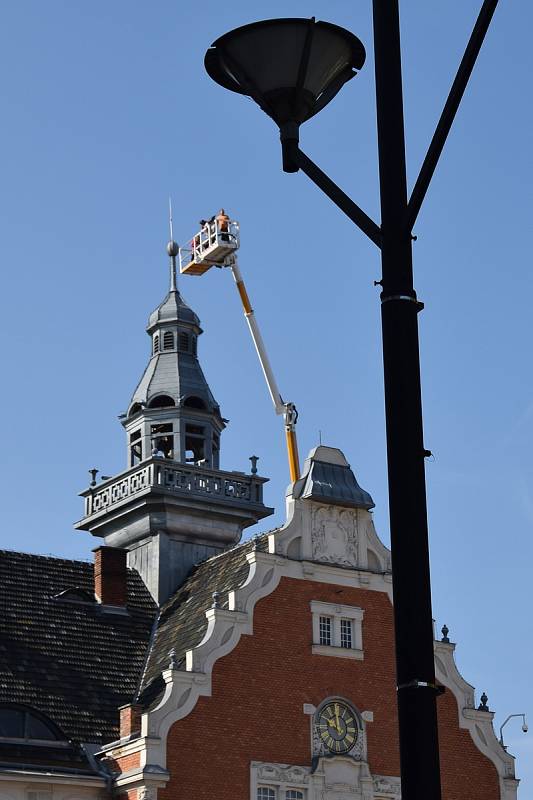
(341, 200)
(449, 111)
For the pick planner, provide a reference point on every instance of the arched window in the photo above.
(168, 340)
(19, 722)
(161, 401)
(156, 343)
(136, 407)
(183, 342)
(195, 402)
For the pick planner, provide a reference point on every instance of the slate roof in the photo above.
(172, 309)
(63, 655)
(331, 481)
(70, 660)
(182, 622)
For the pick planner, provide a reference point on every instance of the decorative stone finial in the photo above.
(254, 460)
(445, 631)
(216, 600)
(483, 705)
(93, 472)
(173, 661)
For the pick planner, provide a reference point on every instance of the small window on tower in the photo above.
(163, 446)
(195, 402)
(161, 401)
(183, 342)
(194, 443)
(164, 428)
(156, 343)
(136, 449)
(168, 340)
(325, 630)
(136, 407)
(197, 429)
(194, 343)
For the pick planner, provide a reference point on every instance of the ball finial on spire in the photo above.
(172, 249)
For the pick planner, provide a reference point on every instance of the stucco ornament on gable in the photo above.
(334, 535)
(329, 518)
(385, 787)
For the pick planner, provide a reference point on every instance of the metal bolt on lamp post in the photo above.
(293, 68)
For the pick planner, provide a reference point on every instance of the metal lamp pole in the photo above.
(417, 692)
(415, 666)
(415, 670)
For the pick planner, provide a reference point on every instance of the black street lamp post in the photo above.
(292, 68)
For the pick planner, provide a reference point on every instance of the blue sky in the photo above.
(107, 111)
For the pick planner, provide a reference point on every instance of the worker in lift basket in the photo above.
(222, 221)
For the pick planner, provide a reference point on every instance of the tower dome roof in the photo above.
(173, 309)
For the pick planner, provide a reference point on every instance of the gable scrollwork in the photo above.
(334, 535)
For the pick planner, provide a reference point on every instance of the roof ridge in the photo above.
(232, 549)
(45, 555)
(149, 649)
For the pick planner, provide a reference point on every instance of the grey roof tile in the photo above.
(182, 621)
(70, 661)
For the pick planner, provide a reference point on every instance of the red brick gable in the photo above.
(255, 712)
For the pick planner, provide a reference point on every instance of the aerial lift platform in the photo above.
(216, 245)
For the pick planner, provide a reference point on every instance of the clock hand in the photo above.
(334, 724)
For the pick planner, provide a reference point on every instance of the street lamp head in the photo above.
(291, 67)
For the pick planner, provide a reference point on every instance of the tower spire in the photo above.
(172, 250)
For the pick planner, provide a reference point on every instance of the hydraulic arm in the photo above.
(288, 410)
(216, 245)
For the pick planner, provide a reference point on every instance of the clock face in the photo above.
(337, 727)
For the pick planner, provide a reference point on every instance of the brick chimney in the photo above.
(130, 720)
(110, 576)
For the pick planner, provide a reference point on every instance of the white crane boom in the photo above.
(215, 246)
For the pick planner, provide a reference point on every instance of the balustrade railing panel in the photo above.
(175, 478)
